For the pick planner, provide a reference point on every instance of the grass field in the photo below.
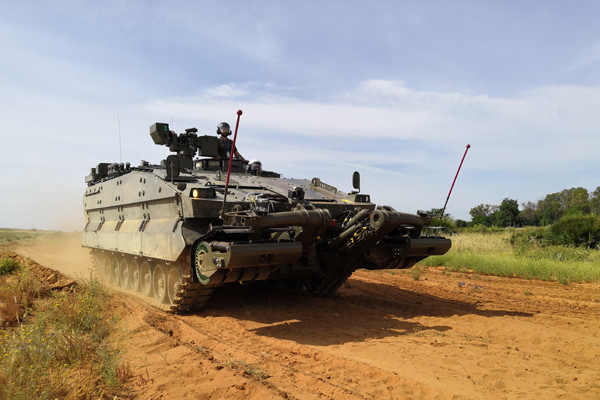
(55, 344)
(15, 235)
(492, 254)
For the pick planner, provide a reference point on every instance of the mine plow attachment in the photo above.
(404, 252)
(390, 239)
(358, 238)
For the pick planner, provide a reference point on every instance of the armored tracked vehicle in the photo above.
(173, 231)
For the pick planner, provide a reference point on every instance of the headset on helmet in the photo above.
(223, 125)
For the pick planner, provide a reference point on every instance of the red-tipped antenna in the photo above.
(454, 181)
(231, 153)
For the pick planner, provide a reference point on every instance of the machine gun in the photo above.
(185, 145)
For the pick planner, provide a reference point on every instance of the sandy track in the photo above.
(381, 336)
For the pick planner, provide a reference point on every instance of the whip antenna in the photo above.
(454, 181)
(231, 153)
(120, 147)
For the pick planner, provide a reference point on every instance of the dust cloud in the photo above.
(59, 208)
(61, 251)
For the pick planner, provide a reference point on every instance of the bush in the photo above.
(575, 230)
(8, 265)
(525, 238)
(18, 292)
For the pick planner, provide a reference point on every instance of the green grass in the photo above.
(8, 265)
(58, 346)
(19, 235)
(492, 254)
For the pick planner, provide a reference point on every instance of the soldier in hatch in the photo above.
(254, 167)
(226, 144)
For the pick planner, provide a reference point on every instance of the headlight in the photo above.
(203, 193)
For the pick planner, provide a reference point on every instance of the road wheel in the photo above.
(102, 265)
(173, 283)
(114, 271)
(124, 273)
(134, 275)
(146, 278)
(159, 284)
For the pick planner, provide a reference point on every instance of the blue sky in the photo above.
(393, 89)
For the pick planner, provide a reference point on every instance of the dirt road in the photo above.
(382, 336)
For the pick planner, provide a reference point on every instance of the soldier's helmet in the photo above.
(255, 167)
(223, 129)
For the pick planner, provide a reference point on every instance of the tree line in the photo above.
(552, 208)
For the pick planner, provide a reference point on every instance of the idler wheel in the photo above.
(124, 273)
(134, 275)
(159, 284)
(146, 278)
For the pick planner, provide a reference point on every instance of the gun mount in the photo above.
(185, 145)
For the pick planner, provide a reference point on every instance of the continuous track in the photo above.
(169, 284)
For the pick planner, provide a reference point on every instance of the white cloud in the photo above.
(389, 110)
(230, 91)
